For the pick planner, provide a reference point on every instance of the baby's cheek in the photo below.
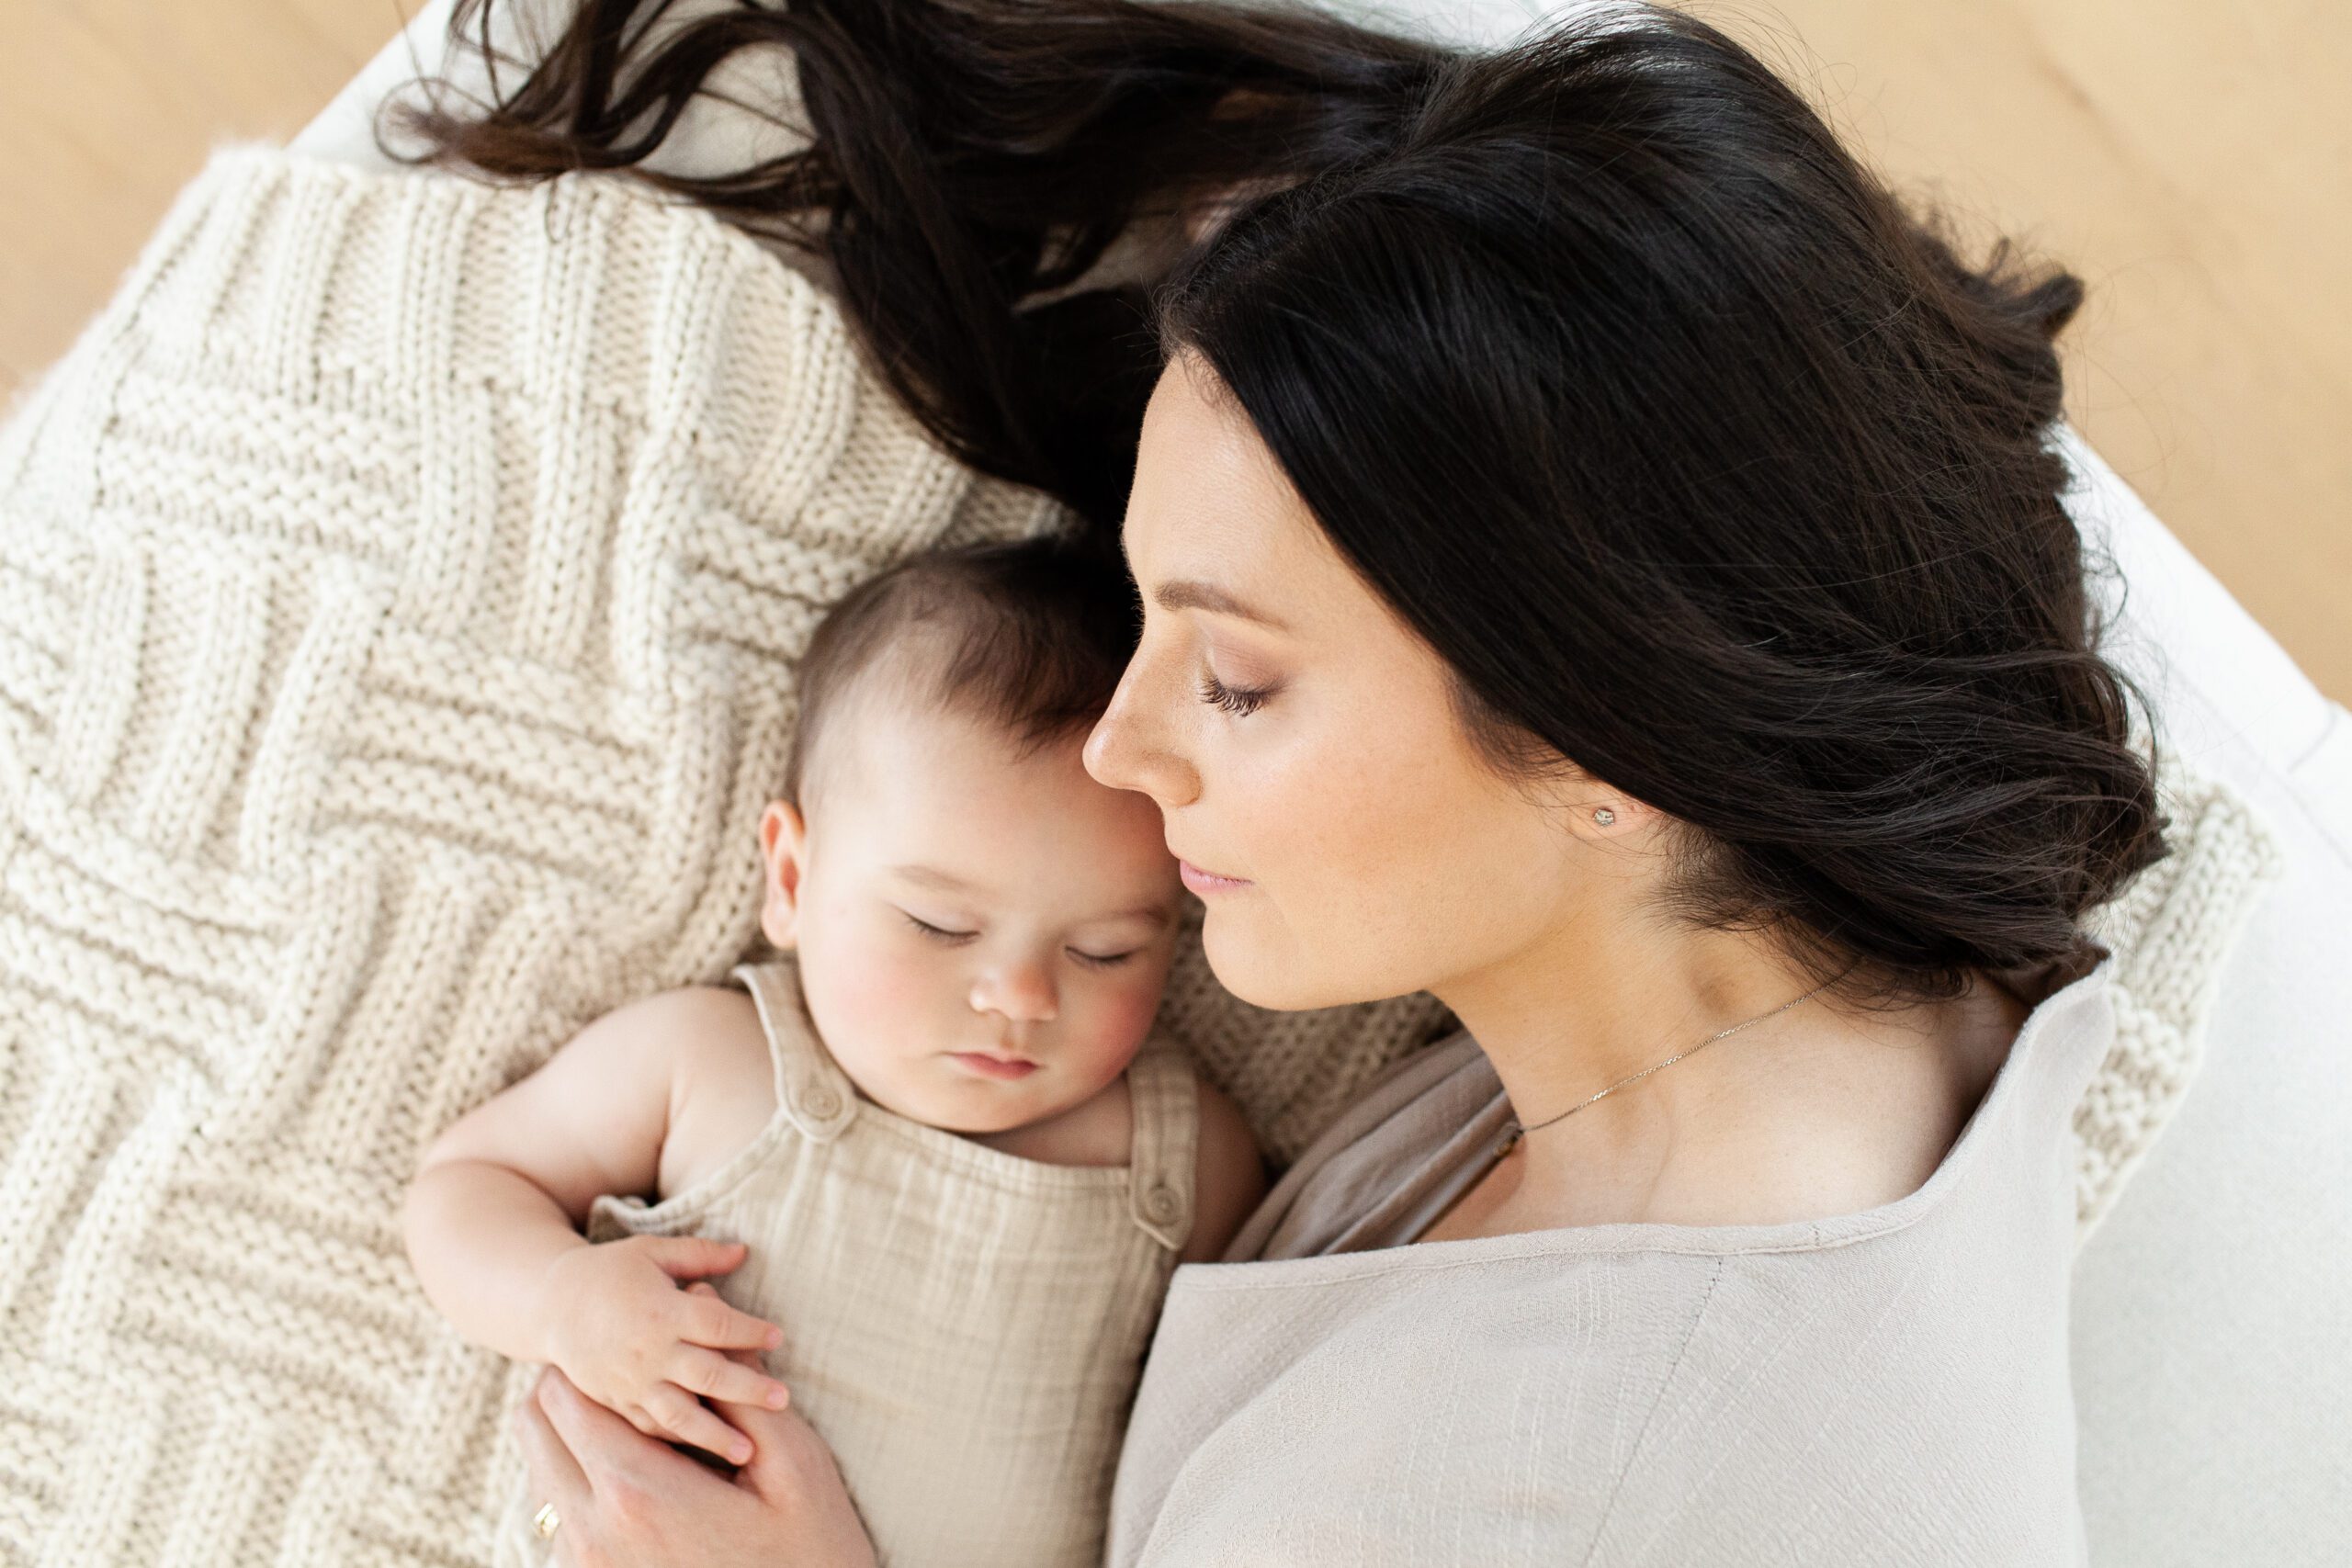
(880, 1000)
(876, 1026)
(1125, 1015)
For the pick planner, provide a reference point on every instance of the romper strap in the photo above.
(1167, 1112)
(810, 1086)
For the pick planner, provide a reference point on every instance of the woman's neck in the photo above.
(1804, 1113)
(1572, 1015)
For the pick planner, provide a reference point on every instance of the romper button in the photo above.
(1160, 1203)
(822, 1101)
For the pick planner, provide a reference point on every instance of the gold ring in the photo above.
(545, 1521)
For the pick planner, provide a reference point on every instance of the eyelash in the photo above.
(1092, 960)
(1236, 700)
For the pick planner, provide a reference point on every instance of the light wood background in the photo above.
(2192, 159)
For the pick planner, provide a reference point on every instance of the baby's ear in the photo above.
(783, 850)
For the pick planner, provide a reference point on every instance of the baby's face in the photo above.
(1056, 897)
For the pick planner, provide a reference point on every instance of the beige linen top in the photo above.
(965, 1326)
(1887, 1387)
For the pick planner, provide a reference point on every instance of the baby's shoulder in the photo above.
(684, 1013)
(1229, 1175)
(722, 1081)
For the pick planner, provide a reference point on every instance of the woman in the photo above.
(1598, 565)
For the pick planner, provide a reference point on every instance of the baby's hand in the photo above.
(630, 1338)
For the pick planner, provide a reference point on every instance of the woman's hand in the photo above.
(625, 1500)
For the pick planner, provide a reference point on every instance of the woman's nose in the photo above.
(1125, 750)
(1022, 991)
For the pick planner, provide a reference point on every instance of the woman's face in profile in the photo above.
(1299, 740)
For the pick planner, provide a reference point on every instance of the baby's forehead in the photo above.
(904, 770)
(885, 739)
(969, 803)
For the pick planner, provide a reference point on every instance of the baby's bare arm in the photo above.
(492, 1221)
(503, 1193)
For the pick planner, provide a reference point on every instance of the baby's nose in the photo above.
(1022, 991)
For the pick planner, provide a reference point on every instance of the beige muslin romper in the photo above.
(965, 1326)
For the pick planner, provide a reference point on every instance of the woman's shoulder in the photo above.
(1846, 1122)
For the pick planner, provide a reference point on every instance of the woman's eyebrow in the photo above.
(1189, 594)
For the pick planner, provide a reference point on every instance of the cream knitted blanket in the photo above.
(400, 586)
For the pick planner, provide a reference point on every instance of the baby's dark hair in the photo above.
(1029, 635)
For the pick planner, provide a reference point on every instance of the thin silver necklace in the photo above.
(1517, 1131)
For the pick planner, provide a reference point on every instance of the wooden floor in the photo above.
(2192, 159)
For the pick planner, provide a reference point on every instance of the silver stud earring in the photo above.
(1603, 816)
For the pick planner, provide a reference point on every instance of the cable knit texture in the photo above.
(2170, 930)
(401, 582)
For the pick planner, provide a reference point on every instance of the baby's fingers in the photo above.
(703, 1319)
(739, 1354)
(687, 1419)
(707, 1371)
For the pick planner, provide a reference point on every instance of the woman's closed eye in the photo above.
(1235, 700)
(1094, 960)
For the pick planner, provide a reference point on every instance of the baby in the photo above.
(933, 1149)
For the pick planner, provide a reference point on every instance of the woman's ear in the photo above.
(784, 848)
(1599, 813)
(1616, 816)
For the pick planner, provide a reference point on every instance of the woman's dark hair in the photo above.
(965, 158)
(1706, 466)
(1028, 637)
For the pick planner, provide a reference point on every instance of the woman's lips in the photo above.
(993, 1067)
(1201, 881)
